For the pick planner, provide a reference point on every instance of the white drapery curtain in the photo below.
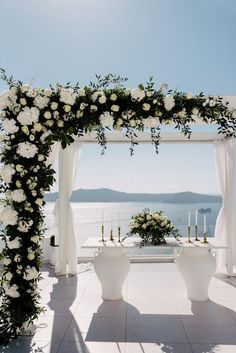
(225, 231)
(67, 259)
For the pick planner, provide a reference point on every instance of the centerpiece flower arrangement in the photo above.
(152, 227)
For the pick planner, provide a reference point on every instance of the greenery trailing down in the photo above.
(152, 227)
(31, 120)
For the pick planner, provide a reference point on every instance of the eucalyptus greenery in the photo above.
(32, 119)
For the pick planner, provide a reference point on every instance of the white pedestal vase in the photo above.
(54, 254)
(197, 267)
(111, 266)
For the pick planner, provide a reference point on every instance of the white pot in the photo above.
(197, 266)
(111, 266)
(54, 252)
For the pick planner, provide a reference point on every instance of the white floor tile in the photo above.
(92, 347)
(153, 329)
(214, 330)
(137, 307)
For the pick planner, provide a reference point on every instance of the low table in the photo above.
(194, 260)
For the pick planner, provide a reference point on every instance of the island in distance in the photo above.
(108, 195)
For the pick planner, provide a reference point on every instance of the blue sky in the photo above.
(187, 43)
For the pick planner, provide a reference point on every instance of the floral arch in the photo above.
(32, 119)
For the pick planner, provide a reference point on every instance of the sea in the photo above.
(88, 220)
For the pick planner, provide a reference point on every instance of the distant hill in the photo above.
(108, 195)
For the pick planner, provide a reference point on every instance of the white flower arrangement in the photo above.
(152, 227)
(9, 125)
(8, 216)
(28, 116)
(27, 149)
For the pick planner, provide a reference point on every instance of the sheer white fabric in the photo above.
(67, 261)
(225, 230)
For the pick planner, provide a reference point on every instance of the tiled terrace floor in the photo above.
(154, 316)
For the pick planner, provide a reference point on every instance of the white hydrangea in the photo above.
(30, 273)
(106, 119)
(7, 98)
(150, 122)
(8, 216)
(6, 173)
(169, 102)
(41, 102)
(24, 226)
(28, 116)
(18, 195)
(67, 96)
(27, 149)
(9, 125)
(138, 94)
(12, 291)
(14, 244)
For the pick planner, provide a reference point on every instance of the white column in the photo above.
(67, 262)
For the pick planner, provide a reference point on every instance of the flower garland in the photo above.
(31, 120)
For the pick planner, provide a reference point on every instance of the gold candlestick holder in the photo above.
(111, 235)
(196, 233)
(103, 239)
(189, 234)
(119, 234)
(205, 241)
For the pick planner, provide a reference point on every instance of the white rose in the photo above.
(144, 226)
(138, 94)
(95, 95)
(32, 138)
(54, 105)
(195, 111)
(60, 123)
(8, 216)
(25, 129)
(45, 135)
(146, 106)
(212, 103)
(18, 184)
(8, 276)
(12, 291)
(47, 92)
(39, 202)
(6, 173)
(102, 99)
(106, 119)
(169, 102)
(189, 95)
(17, 258)
(30, 256)
(23, 101)
(83, 106)
(67, 108)
(113, 97)
(81, 92)
(93, 108)
(18, 195)
(41, 102)
(41, 157)
(35, 239)
(24, 226)
(13, 244)
(28, 116)
(67, 96)
(47, 115)
(56, 114)
(25, 87)
(38, 127)
(115, 108)
(9, 125)
(6, 261)
(30, 273)
(27, 149)
(149, 93)
(19, 168)
(149, 217)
